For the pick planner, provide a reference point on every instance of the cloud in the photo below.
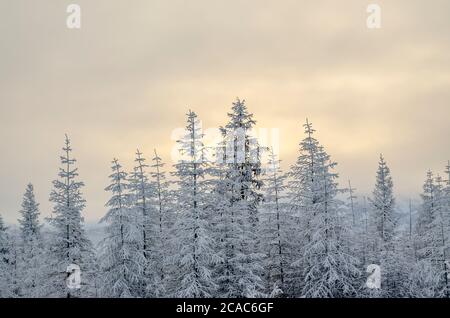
(127, 78)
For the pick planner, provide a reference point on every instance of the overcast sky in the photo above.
(129, 75)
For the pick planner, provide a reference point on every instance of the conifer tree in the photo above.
(423, 281)
(122, 262)
(69, 244)
(275, 226)
(5, 263)
(31, 252)
(194, 243)
(382, 230)
(239, 185)
(352, 198)
(143, 195)
(433, 231)
(164, 221)
(327, 269)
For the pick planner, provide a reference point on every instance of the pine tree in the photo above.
(382, 226)
(164, 222)
(407, 256)
(445, 230)
(14, 263)
(383, 204)
(411, 235)
(31, 253)
(69, 243)
(426, 216)
(351, 199)
(122, 262)
(433, 230)
(194, 244)
(365, 232)
(143, 202)
(275, 226)
(403, 261)
(239, 184)
(328, 270)
(357, 234)
(301, 180)
(423, 281)
(6, 290)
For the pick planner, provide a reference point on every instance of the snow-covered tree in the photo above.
(433, 229)
(30, 228)
(69, 244)
(161, 186)
(31, 248)
(360, 236)
(194, 245)
(357, 234)
(327, 268)
(164, 221)
(429, 202)
(423, 281)
(383, 205)
(143, 203)
(382, 230)
(6, 290)
(142, 196)
(405, 249)
(14, 262)
(239, 184)
(412, 247)
(275, 225)
(231, 228)
(351, 198)
(445, 227)
(122, 262)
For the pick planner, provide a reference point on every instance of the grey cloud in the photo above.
(127, 78)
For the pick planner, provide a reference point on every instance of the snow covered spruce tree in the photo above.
(446, 178)
(363, 233)
(423, 280)
(445, 217)
(143, 203)
(238, 187)
(325, 269)
(122, 261)
(31, 259)
(14, 259)
(433, 228)
(6, 285)
(163, 223)
(357, 225)
(425, 216)
(406, 256)
(382, 234)
(358, 234)
(275, 225)
(194, 253)
(352, 204)
(69, 243)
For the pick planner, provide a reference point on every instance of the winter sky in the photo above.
(129, 75)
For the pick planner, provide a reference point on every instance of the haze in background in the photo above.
(129, 75)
